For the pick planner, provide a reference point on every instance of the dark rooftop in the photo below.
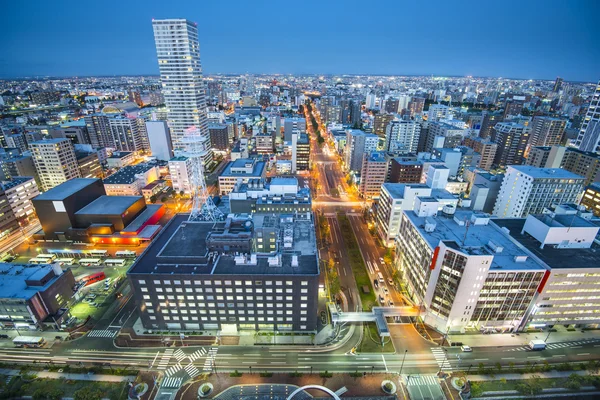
(66, 189)
(109, 205)
(126, 175)
(555, 258)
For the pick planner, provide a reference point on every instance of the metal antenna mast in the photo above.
(203, 208)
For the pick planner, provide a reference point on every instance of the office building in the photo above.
(373, 174)
(76, 134)
(563, 243)
(34, 296)
(129, 181)
(438, 112)
(483, 191)
(257, 272)
(240, 170)
(219, 136)
(16, 141)
(512, 140)
(380, 123)
(358, 143)
(448, 135)
(19, 192)
(183, 88)
(293, 124)
(181, 170)
(589, 134)
(55, 162)
(529, 190)
(120, 159)
(451, 158)
(486, 149)
(19, 165)
(279, 196)
(464, 271)
(405, 171)
(300, 152)
(591, 198)
(546, 131)
(264, 143)
(402, 136)
(396, 197)
(159, 138)
(89, 165)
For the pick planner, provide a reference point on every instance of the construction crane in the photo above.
(203, 207)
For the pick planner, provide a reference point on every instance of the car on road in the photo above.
(381, 299)
(390, 303)
(4, 336)
(381, 259)
(376, 283)
(391, 281)
(466, 349)
(385, 290)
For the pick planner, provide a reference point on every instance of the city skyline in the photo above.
(341, 44)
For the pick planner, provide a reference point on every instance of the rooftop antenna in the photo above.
(467, 224)
(203, 208)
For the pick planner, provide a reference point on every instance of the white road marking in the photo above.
(384, 363)
(155, 357)
(583, 354)
(508, 358)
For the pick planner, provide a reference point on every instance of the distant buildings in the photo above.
(280, 196)
(219, 136)
(55, 162)
(529, 190)
(293, 124)
(591, 198)
(486, 148)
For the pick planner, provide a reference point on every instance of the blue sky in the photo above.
(521, 39)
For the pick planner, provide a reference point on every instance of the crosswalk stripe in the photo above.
(102, 333)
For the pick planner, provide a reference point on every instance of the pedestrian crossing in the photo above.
(179, 355)
(422, 380)
(106, 333)
(173, 370)
(210, 359)
(197, 354)
(174, 383)
(441, 358)
(191, 370)
(164, 360)
(561, 345)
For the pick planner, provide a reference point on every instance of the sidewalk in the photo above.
(516, 377)
(75, 377)
(521, 339)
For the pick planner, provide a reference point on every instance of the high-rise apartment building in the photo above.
(98, 127)
(512, 139)
(293, 124)
(178, 53)
(358, 143)
(54, 161)
(488, 121)
(583, 163)
(486, 148)
(589, 135)
(180, 169)
(19, 191)
(129, 134)
(557, 84)
(591, 198)
(546, 131)
(372, 174)
(402, 136)
(416, 105)
(529, 190)
(439, 111)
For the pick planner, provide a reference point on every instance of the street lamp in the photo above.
(403, 358)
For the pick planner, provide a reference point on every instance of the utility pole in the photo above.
(403, 358)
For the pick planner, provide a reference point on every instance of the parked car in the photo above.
(466, 349)
(3, 336)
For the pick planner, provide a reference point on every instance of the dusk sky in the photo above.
(520, 39)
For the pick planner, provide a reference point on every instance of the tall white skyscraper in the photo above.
(589, 135)
(183, 88)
